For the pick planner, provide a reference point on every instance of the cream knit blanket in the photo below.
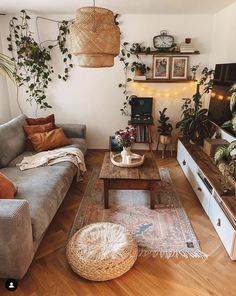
(51, 157)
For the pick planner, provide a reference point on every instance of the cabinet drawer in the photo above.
(182, 157)
(200, 190)
(222, 226)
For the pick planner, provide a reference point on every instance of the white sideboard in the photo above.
(204, 178)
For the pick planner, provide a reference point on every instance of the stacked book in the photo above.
(186, 48)
(140, 77)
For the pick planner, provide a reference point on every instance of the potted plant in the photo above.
(164, 128)
(195, 125)
(232, 122)
(226, 163)
(139, 68)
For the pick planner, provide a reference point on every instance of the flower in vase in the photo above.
(126, 137)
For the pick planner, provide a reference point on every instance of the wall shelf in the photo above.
(152, 80)
(176, 52)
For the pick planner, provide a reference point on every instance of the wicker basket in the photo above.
(95, 38)
(102, 251)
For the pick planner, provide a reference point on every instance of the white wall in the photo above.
(5, 114)
(223, 38)
(92, 96)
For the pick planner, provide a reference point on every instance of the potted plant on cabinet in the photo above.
(164, 128)
(195, 125)
(226, 163)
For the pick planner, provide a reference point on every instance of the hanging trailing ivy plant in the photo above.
(32, 60)
(131, 52)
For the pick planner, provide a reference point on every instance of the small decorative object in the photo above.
(164, 42)
(161, 67)
(179, 67)
(187, 40)
(95, 37)
(124, 160)
(139, 68)
(210, 145)
(186, 47)
(102, 251)
(194, 71)
(114, 145)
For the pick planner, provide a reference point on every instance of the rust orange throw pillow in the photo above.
(41, 120)
(49, 140)
(7, 188)
(33, 129)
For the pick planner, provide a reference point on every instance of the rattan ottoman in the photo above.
(101, 251)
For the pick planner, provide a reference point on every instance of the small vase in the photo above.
(126, 155)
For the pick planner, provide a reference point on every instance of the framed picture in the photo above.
(179, 69)
(161, 67)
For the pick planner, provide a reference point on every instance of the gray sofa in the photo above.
(24, 219)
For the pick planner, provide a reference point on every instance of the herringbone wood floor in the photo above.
(50, 274)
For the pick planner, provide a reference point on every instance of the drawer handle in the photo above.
(199, 189)
(218, 222)
(184, 162)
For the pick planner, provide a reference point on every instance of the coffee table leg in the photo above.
(106, 194)
(152, 196)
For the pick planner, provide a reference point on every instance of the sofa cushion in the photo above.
(12, 139)
(44, 188)
(41, 120)
(7, 188)
(49, 140)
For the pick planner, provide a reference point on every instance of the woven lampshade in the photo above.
(95, 38)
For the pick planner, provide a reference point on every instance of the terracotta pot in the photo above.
(138, 72)
(165, 140)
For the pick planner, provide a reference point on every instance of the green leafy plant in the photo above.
(232, 122)
(226, 162)
(195, 125)
(164, 128)
(6, 66)
(139, 66)
(131, 52)
(32, 66)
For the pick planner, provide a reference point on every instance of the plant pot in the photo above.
(138, 72)
(126, 155)
(165, 140)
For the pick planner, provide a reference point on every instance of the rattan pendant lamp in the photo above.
(95, 38)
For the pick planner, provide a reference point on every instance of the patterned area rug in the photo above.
(164, 231)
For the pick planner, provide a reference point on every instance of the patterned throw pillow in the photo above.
(7, 188)
(49, 140)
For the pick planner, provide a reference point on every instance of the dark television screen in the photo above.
(219, 108)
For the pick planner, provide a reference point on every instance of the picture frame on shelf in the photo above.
(161, 67)
(179, 67)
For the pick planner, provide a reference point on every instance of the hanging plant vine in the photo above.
(131, 51)
(32, 60)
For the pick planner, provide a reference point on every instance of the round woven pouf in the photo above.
(101, 251)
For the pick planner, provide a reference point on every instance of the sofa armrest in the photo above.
(16, 240)
(74, 130)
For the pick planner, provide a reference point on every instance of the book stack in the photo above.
(186, 48)
(143, 77)
(142, 134)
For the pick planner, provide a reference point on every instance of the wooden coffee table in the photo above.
(144, 177)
